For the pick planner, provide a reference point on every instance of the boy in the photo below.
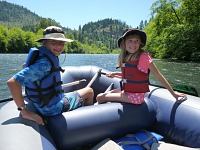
(42, 80)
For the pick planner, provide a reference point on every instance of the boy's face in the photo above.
(56, 47)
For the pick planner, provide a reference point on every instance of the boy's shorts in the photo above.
(72, 101)
(69, 102)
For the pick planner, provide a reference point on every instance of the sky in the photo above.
(72, 13)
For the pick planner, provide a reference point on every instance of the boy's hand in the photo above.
(32, 116)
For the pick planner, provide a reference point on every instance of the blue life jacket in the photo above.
(141, 140)
(47, 91)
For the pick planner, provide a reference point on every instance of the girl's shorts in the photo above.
(136, 98)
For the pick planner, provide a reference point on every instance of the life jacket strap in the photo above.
(57, 69)
(46, 98)
(134, 82)
(45, 89)
(130, 65)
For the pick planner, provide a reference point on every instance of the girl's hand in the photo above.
(32, 116)
(110, 75)
(114, 75)
(177, 95)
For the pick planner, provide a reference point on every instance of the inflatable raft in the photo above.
(178, 122)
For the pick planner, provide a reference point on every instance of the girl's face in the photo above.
(132, 43)
(56, 47)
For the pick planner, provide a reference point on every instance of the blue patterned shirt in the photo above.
(35, 72)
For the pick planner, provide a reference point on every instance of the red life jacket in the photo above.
(134, 80)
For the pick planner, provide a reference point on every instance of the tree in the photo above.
(171, 32)
(3, 39)
(16, 40)
(45, 22)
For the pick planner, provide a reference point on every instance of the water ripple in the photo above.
(184, 73)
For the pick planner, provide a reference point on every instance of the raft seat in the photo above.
(19, 133)
(91, 124)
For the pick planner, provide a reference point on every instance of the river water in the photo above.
(176, 72)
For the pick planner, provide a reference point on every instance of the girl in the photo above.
(42, 80)
(135, 64)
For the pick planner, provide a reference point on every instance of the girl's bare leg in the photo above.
(115, 95)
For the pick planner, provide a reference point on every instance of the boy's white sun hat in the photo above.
(54, 33)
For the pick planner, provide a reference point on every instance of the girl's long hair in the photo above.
(124, 56)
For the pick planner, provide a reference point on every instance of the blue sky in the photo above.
(72, 13)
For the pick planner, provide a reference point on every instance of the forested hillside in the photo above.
(173, 31)
(14, 15)
(101, 33)
(18, 33)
